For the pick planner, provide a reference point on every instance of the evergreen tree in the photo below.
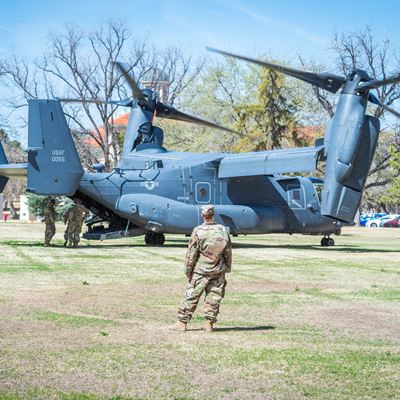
(37, 204)
(269, 120)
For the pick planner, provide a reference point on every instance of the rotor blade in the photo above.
(137, 93)
(375, 84)
(166, 111)
(96, 101)
(122, 103)
(373, 99)
(323, 80)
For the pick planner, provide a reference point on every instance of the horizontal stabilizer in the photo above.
(270, 162)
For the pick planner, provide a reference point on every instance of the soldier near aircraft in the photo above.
(49, 216)
(74, 218)
(208, 258)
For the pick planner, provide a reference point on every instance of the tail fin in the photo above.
(3, 160)
(53, 162)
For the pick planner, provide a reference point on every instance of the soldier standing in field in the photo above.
(208, 258)
(74, 218)
(49, 216)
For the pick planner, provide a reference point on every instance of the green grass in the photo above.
(381, 294)
(298, 321)
(34, 394)
(73, 321)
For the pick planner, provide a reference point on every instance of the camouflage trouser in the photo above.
(72, 233)
(213, 286)
(49, 232)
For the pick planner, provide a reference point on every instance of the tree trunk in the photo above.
(13, 211)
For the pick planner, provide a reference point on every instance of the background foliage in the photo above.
(268, 109)
(37, 204)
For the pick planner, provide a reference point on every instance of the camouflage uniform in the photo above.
(74, 218)
(208, 258)
(49, 216)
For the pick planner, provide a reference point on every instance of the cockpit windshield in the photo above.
(318, 190)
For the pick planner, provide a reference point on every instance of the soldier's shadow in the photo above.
(238, 328)
(244, 328)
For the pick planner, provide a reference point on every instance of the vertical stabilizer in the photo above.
(54, 167)
(3, 160)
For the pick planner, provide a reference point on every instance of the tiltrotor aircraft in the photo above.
(154, 191)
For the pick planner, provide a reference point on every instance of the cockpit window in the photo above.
(318, 190)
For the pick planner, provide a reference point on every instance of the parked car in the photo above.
(378, 222)
(368, 216)
(393, 223)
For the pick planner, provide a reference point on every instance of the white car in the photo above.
(378, 222)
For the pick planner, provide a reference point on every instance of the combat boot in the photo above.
(208, 326)
(178, 326)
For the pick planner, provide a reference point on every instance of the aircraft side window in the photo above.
(296, 197)
(318, 190)
(296, 194)
(203, 192)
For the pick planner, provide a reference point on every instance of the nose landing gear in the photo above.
(327, 241)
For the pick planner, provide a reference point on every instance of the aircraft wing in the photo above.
(303, 159)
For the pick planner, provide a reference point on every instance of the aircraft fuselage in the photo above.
(163, 191)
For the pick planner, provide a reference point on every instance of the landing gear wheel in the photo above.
(327, 242)
(154, 239)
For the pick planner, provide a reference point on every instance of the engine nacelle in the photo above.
(351, 145)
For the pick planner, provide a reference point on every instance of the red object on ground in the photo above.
(394, 223)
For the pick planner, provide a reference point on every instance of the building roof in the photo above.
(310, 132)
(121, 120)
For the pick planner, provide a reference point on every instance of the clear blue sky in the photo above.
(281, 27)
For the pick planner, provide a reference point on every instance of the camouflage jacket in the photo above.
(49, 214)
(76, 214)
(209, 251)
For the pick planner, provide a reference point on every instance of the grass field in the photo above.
(298, 321)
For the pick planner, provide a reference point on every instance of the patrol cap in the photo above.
(207, 210)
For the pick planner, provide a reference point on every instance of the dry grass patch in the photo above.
(298, 321)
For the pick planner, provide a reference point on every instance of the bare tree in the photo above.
(80, 65)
